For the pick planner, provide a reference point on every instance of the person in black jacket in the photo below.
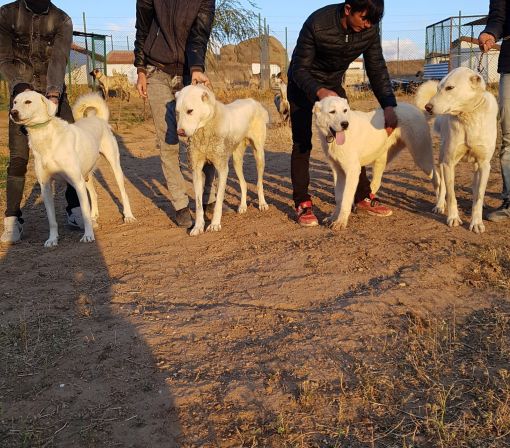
(170, 48)
(331, 38)
(35, 42)
(498, 26)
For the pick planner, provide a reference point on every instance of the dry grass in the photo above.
(429, 383)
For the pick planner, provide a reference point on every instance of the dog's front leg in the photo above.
(339, 186)
(346, 197)
(441, 192)
(480, 178)
(448, 169)
(215, 225)
(49, 203)
(198, 185)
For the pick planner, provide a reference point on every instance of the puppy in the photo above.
(467, 124)
(117, 82)
(352, 139)
(214, 132)
(70, 152)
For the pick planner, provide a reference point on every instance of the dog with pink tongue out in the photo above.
(351, 139)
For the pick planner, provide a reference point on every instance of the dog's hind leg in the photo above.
(258, 153)
(377, 172)
(94, 211)
(238, 157)
(75, 178)
(480, 178)
(222, 169)
(110, 150)
(453, 218)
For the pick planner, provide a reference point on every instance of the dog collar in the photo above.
(38, 125)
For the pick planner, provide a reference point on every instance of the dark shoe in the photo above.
(502, 213)
(183, 218)
(372, 206)
(305, 216)
(209, 209)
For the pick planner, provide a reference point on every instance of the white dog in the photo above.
(215, 131)
(352, 139)
(467, 124)
(70, 151)
(281, 102)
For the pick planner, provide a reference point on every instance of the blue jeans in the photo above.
(504, 111)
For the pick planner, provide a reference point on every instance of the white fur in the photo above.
(216, 131)
(467, 123)
(70, 152)
(281, 102)
(365, 142)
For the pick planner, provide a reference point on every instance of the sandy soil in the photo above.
(151, 338)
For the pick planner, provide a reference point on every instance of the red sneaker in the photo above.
(305, 216)
(372, 206)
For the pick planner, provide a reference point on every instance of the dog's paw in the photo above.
(334, 224)
(213, 227)
(129, 219)
(263, 207)
(197, 230)
(454, 221)
(87, 239)
(477, 226)
(51, 242)
(439, 209)
(242, 209)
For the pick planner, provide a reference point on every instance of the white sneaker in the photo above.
(75, 219)
(13, 230)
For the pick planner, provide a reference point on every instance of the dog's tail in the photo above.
(91, 104)
(424, 93)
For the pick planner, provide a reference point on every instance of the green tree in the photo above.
(234, 22)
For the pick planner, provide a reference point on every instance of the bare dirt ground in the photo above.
(392, 333)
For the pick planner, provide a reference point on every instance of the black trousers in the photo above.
(301, 121)
(18, 161)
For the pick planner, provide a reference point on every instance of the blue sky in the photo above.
(404, 20)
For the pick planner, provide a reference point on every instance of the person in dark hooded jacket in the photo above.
(331, 38)
(498, 27)
(35, 42)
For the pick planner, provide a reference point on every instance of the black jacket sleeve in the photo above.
(377, 72)
(496, 18)
(144, 18)
(58, 62)
(302, 59)
(198, 38)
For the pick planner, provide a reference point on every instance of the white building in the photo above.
(121, 62)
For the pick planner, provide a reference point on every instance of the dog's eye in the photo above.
(189, 111)
(332, 111)
(28, 102)
(449, 88)
(345, 111)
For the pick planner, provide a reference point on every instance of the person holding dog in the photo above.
(35, 42)
(331, 38)
(498, 26)
(170, 48)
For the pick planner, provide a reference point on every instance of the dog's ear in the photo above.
(317, 107)
(477, 81)
(51, 107)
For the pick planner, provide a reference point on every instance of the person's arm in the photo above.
(495, 25)
(144, 18)
(14, 71)
(198, 38)
(377, 73)
(302, 60)
(58, 61)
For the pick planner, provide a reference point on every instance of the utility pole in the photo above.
(86, 49)
(286, 51)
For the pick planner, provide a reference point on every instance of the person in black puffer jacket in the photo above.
(35, 42)
(170, 48)
(498, 27)
(331, 38)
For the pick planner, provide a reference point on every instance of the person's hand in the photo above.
(141, 84)
(197, 77)
(486, 41)
(323, 93)
(390, 119)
